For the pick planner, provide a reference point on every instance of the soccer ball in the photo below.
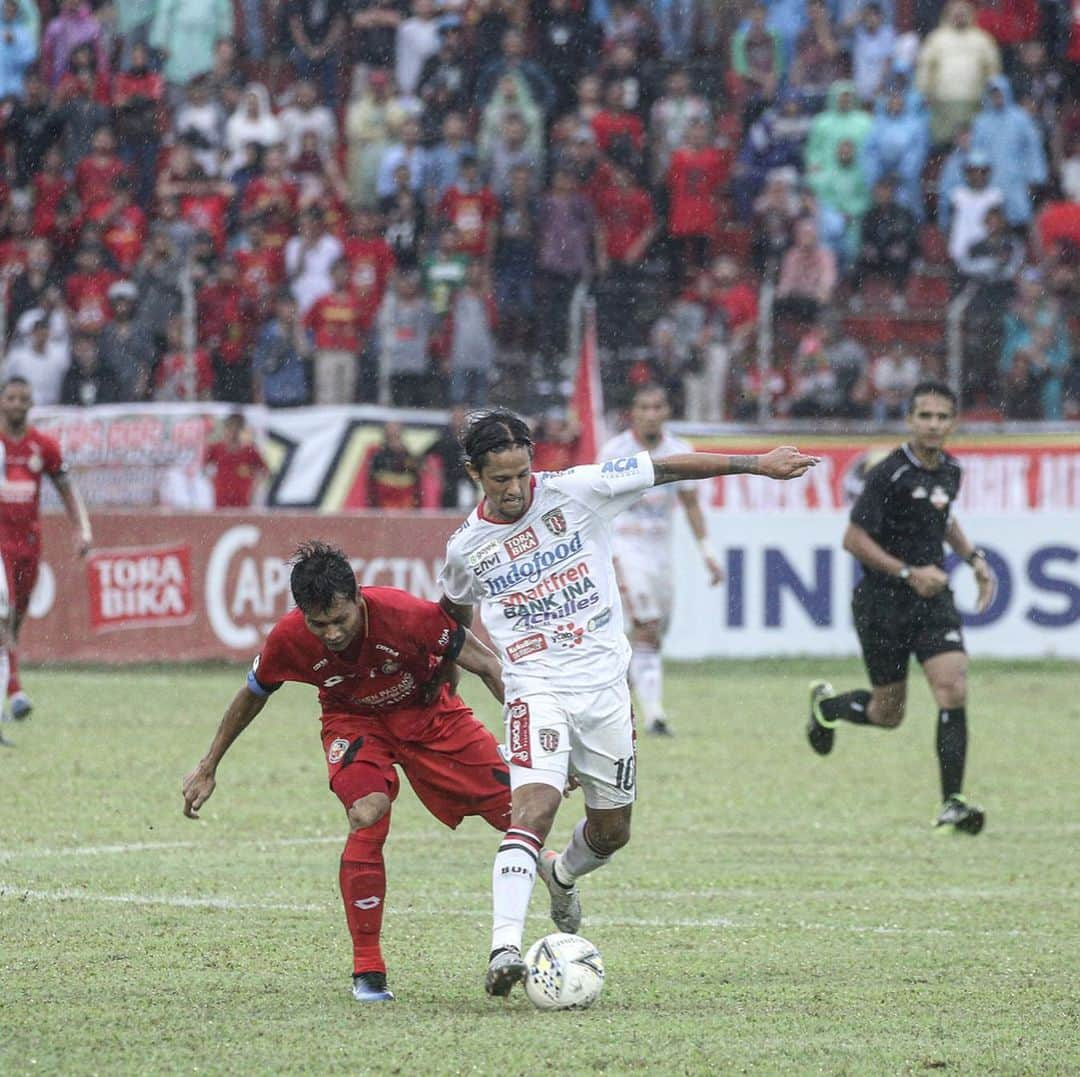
(565, 972)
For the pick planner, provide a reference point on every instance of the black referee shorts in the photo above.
(894, 623)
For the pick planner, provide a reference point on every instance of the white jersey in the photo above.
(546, 582)
(644, 530)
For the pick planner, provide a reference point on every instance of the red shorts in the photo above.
(22, 574)
(451, 760)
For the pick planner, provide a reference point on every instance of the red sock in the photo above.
(363, 889)
(13, 684)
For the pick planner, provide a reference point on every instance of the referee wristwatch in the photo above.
(975, 555)
(904, 573)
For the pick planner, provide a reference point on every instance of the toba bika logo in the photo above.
(145, 587)
(555, 521)
(522, 543)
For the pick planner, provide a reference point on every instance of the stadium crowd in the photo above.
(329, 201)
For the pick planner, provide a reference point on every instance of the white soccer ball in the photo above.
(565, 972)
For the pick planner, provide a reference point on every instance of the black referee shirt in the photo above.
(905, 507)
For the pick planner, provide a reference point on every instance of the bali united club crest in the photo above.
(549, 739)
(555, 521)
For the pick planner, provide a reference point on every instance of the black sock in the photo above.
(850, 706)
(951, 749)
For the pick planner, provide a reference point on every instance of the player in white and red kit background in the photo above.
(26, 457)
(536, 554)
(642, 547)
(381, 660)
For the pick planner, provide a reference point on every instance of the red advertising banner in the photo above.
(1016, 473)
(205, 586)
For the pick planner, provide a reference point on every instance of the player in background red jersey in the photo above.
(235, 465)
(26, 455)
(383, 661)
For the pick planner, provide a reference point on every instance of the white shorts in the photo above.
(647, 589)
(587, 734)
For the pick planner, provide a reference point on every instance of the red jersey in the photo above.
(176, 379)
(739, 304)
(472, 215)
(694, 181)
(337, 322)
(206, 213)
(22, 465)
(278, 199)
(95, 179)
(236, 470)
(624, 214)
(49, 192)
(261, 272)
(403, 643)
(225, 321)
(125, 234)
(611, 126)
(371, 261)
(87, 297)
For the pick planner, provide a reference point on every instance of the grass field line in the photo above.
(187, 901)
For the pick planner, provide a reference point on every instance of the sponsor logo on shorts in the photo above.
(939, 498)
(555, 521)
(549, 739)
(522, 648)
(337, 750)
(517, 734)
(522, 543)
(620, 467)
(485, 558)
(599, 620)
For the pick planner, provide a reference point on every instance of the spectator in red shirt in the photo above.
(234, 465)
(261, 268)
(137, 98)
(694, 180)
(273, 196)
(182, 374)
(226, 318)
(97, 173)
(627, 221)
(336, 320)
(615, 125)
(123, 225)
(471, 208)
(87, 290)
(371, 262)
(393, 473)
(50, 186)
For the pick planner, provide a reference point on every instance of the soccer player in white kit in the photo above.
(642, 546)
(536, 553)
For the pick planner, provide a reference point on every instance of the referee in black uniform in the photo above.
(903, 604)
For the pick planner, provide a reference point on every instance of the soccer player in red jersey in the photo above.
(382, 661)
(235, 466)
(26, 455)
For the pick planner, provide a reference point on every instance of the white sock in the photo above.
(578, 858)
(512, 880)
(647, 680)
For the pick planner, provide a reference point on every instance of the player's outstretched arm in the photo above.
(484, 662)
(783, 462)
(199, 784)
(966, 550)
(75, 508)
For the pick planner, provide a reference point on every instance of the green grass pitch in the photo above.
(775, 912)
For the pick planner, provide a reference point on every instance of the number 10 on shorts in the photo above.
(624, 773)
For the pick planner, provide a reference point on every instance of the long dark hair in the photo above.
(493, 430)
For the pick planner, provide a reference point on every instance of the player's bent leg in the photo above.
(887, 705)
(368, 810)
(947, 675)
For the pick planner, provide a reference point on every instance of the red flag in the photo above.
(588, 399)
